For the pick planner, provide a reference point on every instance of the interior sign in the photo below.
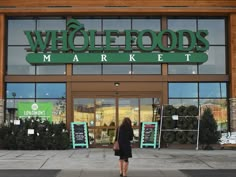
(75, 45)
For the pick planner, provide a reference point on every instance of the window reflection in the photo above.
(21, 90)
(105, 111)
(216, 30)
(129, 107)
(142, 24)
(116, 69)
(49, 70)
(219, 110)
(87, 69)
(178, 24)
(51, 24)
(183, 90)
(216, 63)
(182, 69)
(17, 64)
(182, 101)
(84, 110)
(49, 90)
(146, 69)
(58, 109)
(211, 90)
(148, 109)
(16, 30)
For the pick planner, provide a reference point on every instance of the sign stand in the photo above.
(79, 132)
(149, 134)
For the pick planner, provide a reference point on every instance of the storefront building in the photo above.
(100, 61)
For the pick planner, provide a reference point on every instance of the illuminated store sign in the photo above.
(52, 46)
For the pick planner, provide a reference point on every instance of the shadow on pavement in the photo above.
(210, 173)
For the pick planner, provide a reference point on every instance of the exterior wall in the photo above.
(232, 39)
(121, 7)
(2, 39)
(148, 3)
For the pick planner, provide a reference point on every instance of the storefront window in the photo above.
(183, 102)
(216, 29)
(149, 109)
(117, 69)
(129, 107)
(117, 24)
(146, 69)
(50, 70)
(20, 90)
(212, 95)
(87, 69)
(16, 63)
(50, 90)
(219, 111)
(84, 110)
(182, 69)
(91, 24)
(105, 111)
(22, 96)
(16, 30)
(183, 90)
(212, 90)
(216, 63)
(18, 46)
(58, 107)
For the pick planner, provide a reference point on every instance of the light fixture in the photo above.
(117, 84)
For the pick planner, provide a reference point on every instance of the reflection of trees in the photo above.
(60, 107)
(219, 110)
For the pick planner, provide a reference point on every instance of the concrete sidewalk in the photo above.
(104, 159)
(102, 162)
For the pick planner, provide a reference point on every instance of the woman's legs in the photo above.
(121, 163)
(125, 166)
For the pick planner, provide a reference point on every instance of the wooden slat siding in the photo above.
(132, 3)
(119, 7)
(2, 44)
(90, 11)
(232, 55)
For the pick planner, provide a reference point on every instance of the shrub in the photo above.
(46, 135)
(208, 130)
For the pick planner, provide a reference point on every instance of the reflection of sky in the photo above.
(21, 90)
(183, 90)
(206, 90)
(215, 27)
(27, 90)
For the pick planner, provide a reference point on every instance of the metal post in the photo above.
(159, 141)
(198, 127)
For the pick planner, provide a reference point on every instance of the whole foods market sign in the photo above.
(42, 110)
(53, 46)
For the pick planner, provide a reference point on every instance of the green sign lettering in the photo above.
(184, 46)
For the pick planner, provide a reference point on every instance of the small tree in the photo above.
(208, 130)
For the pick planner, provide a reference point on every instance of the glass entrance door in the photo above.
(104, 115)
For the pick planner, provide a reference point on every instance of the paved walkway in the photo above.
(102, 163)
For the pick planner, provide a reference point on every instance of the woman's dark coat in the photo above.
(125, 136)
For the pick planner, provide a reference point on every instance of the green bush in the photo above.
(46, 135)
(208, 134)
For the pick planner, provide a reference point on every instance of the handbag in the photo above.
(116, 146)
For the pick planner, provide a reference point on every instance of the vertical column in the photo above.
(232, 69)
(232, 114)
(2, 64)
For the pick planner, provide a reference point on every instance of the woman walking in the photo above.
(124, 134)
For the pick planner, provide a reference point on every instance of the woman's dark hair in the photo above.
(126, 122)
